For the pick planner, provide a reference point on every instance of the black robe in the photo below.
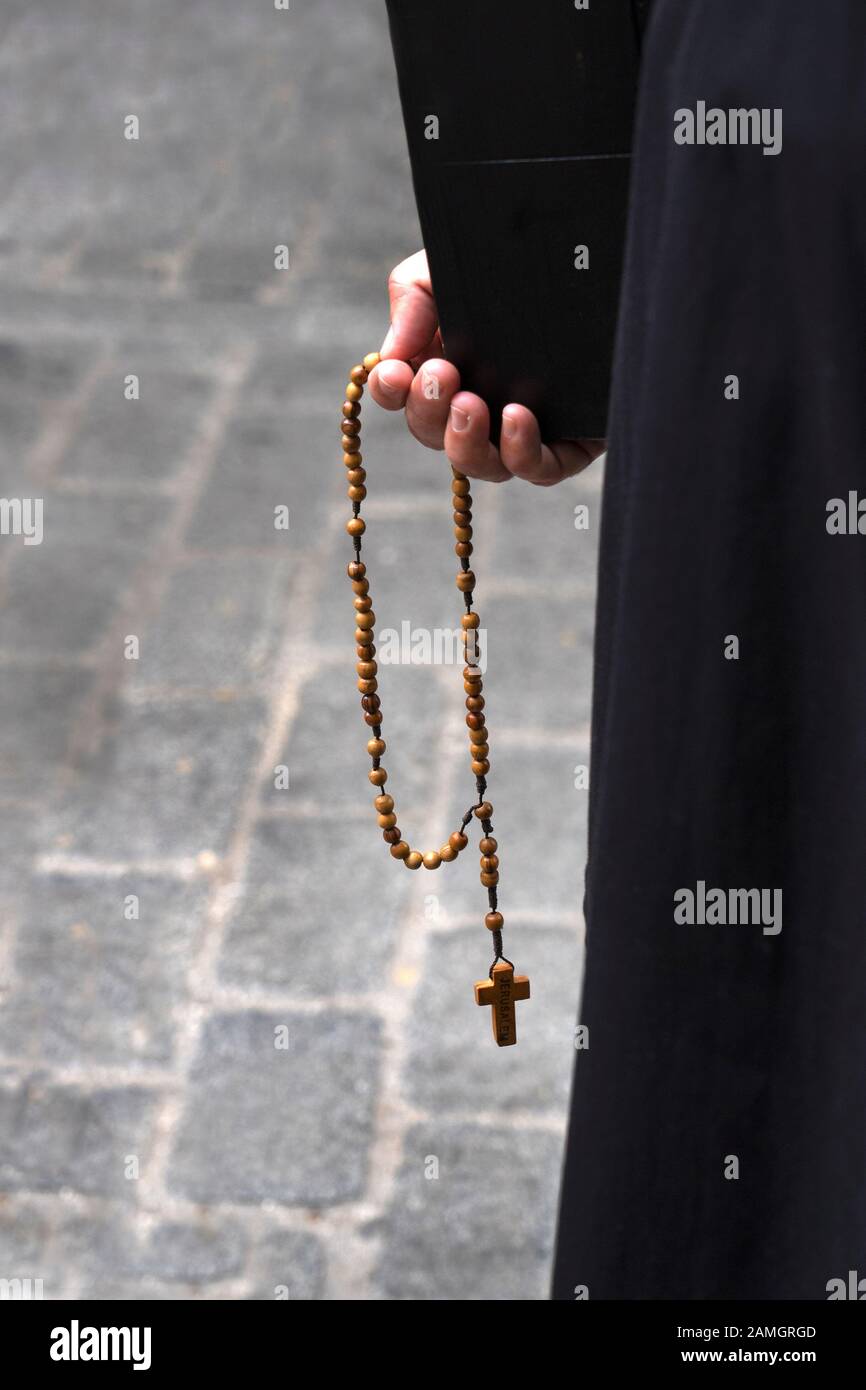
(717, 1140)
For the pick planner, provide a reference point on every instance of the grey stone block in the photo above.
(288, 934)
(453, 1061)
(90, 985)
(292, 1125)
(144, 439)
(173, 1252)
(166, 783)
(52, 1137)
(288, 1265)
(33, 375)
(219, 624)
(37, 711)
(482, 1230)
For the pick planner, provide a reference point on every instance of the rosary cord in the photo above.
(367, 668)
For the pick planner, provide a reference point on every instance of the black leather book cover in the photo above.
(519, 121)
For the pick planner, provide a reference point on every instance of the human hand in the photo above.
(415, 377)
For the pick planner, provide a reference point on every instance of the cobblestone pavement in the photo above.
(171, 917)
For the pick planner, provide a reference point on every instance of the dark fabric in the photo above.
(714, 1040)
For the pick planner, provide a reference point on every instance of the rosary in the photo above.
(502, 989)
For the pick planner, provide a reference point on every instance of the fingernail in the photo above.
(388, 343)
(509, 426)
(388, 377)
(459, 419)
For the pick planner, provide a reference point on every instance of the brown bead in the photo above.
(372, 720)
(364, 639)
(376, 747)
(470, 620)
(466, 581)
(457, 840)
(400, 850)
(460, 487)
(475, 703)
(462, 518)
(378, 776)
(489, 862)
(484, 811)
(353, 460)
(356, 526)
(388, 822)
(371, 703)
(351, 443)
(362, 603)
(360, 586)
(432, 859)
(391, 837)
(447, 853)
(371, 360)
(413, 859)
(368, 685)
(358, 374)
(354, 392)
(366, 670)
(350, 426)
(472, 673)
(480, 751)
(494, 921)
(356, 494)
(478, 735)
(356, 569)
(487, 845)
(385, 803)
(480, 769)
(475, 721)
(463, 549)
(489, 880)
(366, 621)
(351, 410)
(356, 476)
(463, 533)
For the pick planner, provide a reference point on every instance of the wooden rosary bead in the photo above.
(356, 569)
(480, 751)
(358, 374)
(466, 581)
(391, 837)
(351, 443)
(475, 704)
(432, 859)
(356, 476)
(366, 621)
(371, 703)
(363, 603)
(376, 747)
(378, 776)
(447, 854)
(463, 549)
(385, 803)
(460, 487)
(413, 859)
(350, 426)
(489, 862)
(487, 845)
(388, 822)
(474, 721)
(366, 669)
(367, 685)
(356, 494)
(489, 880)
(480, 769)
(457, 840)
(364, 639)
(484, 811)
(356, 526)
(360, 586)
(401, 850)
(351, 409)
(462, 518)
(478, 735)
(463, 533)
(470, 620)
(494, 921)
(371, 360)
(372, 720)
(472, 673)
(354, 392)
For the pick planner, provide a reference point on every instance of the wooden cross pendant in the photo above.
(502, 991)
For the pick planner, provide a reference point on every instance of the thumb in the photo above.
(413, 309)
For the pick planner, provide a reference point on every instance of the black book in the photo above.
(519, 123)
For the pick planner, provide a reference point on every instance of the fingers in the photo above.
(429, 401)
(413, 311)
(523, 454)
(467, 441)
(389, 384)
